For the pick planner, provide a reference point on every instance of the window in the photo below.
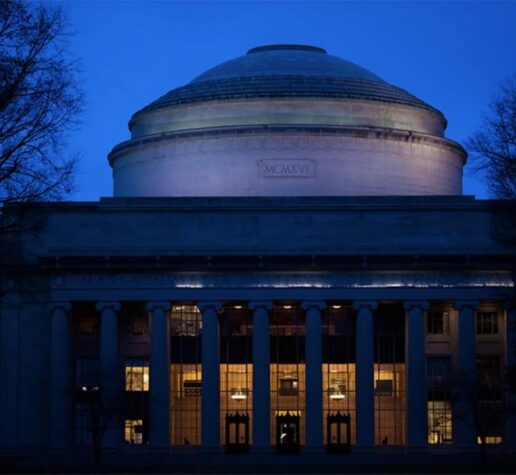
(136, 375)
(138, 324)
(133, 431)
(491, 440)
(384, 387)
(489, 378)
(192, 388)
(487, 323)
(438, 323)
(439, 400)
(288, 387)
(89, 324)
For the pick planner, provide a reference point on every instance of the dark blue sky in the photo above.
(453, 55)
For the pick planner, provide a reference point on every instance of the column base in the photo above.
(416, 450)
(364, 450)
(262, 450)
(212, 450)
(314, 450)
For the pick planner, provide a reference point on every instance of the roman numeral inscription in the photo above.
(286, 168)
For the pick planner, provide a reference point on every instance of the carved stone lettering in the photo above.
(286, 168)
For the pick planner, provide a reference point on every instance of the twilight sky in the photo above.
(452, 55)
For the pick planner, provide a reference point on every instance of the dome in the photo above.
(287, 120)
(287, 71)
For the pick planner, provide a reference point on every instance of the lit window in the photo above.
(384, 387)
(491, 440)
(134, 431)
(138, 324)
(438, 323)
(136, 376)
(192, 387)
(487, 323)
(288, 387)
(89, 325)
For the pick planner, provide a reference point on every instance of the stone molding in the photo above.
(65, 306)
(460, 304)
(321, 305)
(371, 304)
(202, 306)
(101, 306)
(322, 280)
(166, 306)
(422, 304)
(369, 133)
(256, 304)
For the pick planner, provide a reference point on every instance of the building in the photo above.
(287, 265)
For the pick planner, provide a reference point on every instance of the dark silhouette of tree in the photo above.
(484, 404)
(39, 104)
(493, 151)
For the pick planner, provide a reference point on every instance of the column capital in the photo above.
(166, 306)
(115, 306)
(255, 304)
(65, 306)
(422, 304)
(460, 304)
(202, 306)
(358, 304)
(321, 305)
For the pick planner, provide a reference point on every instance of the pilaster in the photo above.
(159, 374)
(365, 374)
(415, 364)
(210, 390)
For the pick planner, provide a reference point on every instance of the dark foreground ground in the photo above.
(139, 462)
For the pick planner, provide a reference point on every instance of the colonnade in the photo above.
(111, 384)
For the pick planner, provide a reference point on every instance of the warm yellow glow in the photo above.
(133, 431)
(136, 378)
(336, 307)
(237, 307)
(287, 307)
(491, 440)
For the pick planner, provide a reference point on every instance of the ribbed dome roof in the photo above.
(287, 71)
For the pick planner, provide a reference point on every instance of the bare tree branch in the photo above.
(40, 103)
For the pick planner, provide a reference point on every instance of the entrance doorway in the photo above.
(237, 433)
(287, 433)
(338, 433)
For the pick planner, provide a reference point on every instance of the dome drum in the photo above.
(287, 120)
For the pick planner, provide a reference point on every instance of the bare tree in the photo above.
(485, 404)
(493, 150)
(39, 104)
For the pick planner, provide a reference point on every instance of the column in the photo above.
(61, 376)
(415, 364)
(159, 410)
(261, 375)
(364, 361)
(510, 426)
(111, 392)
(313, 375)
(210, 389)
(464, 430)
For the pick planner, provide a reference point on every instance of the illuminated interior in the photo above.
(186, 374)
(389, 375)
(287, 376)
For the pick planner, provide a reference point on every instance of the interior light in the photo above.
(337, 396)
(237, 307)
(238, 395)
(84, 388)
(336, 307)
(287, 307)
